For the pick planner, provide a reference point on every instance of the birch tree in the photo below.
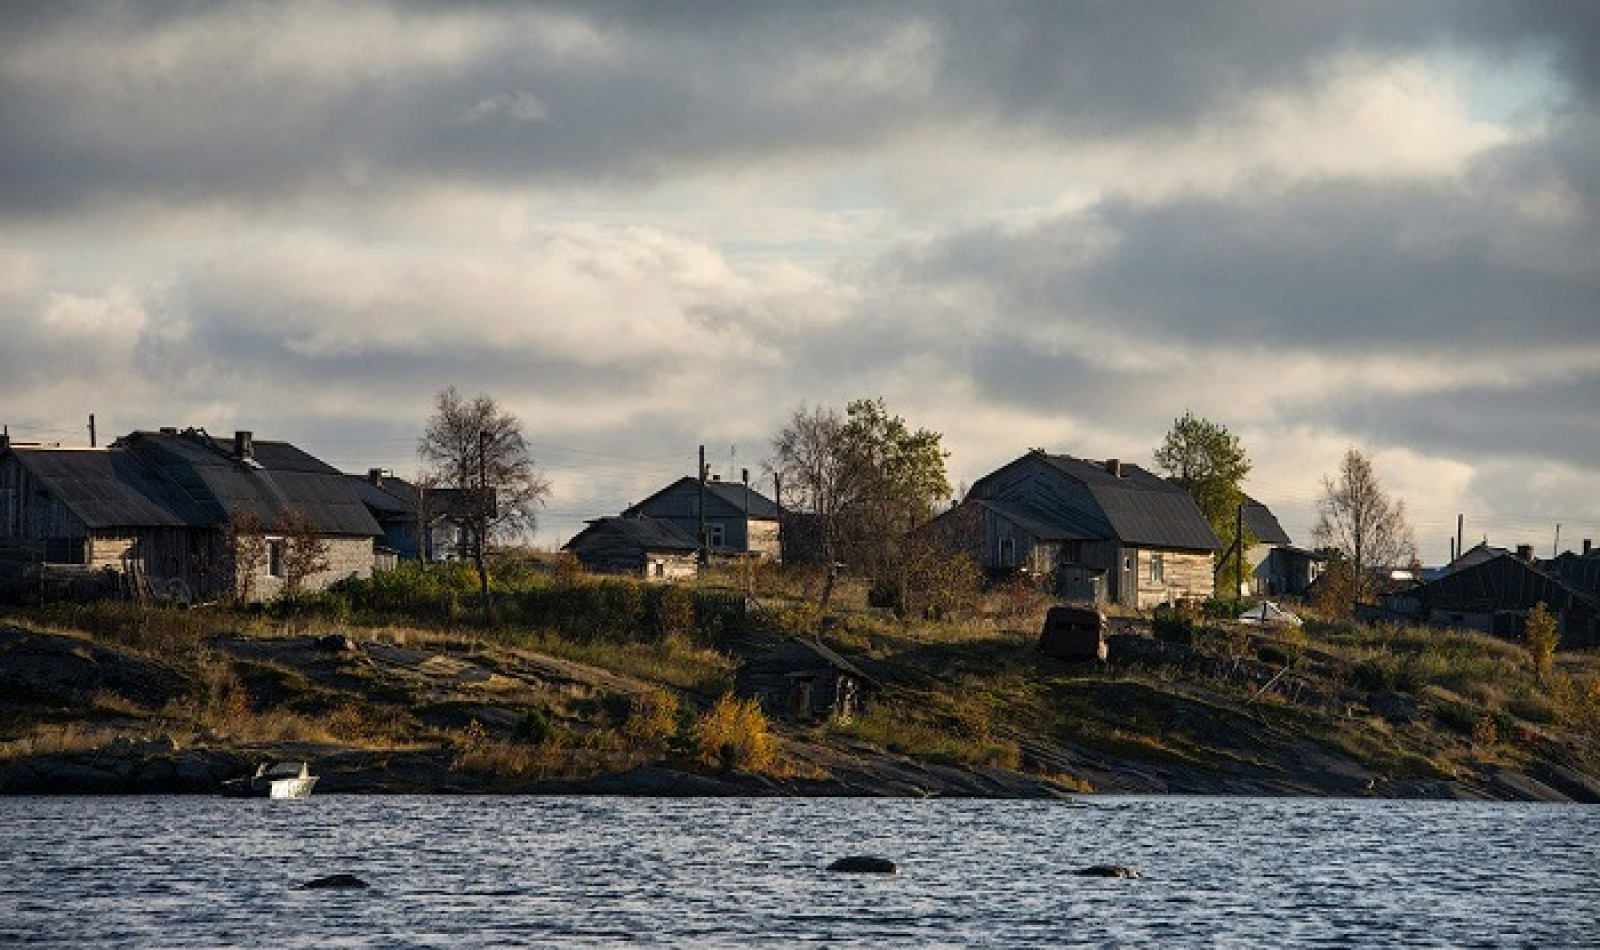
(1358, 519)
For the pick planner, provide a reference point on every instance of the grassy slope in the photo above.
(1352, 711)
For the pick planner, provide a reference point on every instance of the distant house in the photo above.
(802, 680)
(152, 511)
(1099, 531)
(1287, 571)
(738, 520)
(643, 547)
(418, 522)
(1494, 595)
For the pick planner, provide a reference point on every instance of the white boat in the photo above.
(279, 780)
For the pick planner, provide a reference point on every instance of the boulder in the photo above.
(1108, 870)
(334, 882)
(863, 864)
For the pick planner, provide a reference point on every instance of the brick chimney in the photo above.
(375, 476)
(1525, 553)
(1114, 467)
(244, 444)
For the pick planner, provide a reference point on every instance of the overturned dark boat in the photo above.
(279, 780)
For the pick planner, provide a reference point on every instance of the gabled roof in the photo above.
(1262, 524)
(190, 480)
(273, 481)
(1060, 526)
(105, 488)
(648, 534)
(734, 497)
(390, 498)
(1142, 508)
(1503, 582)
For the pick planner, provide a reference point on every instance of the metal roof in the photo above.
(1142, 508)
(188, 479)
(106, 488)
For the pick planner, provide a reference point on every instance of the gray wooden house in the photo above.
(739, 521)
(1094, 531)
(643, 547)
(802, 680)
(1494, 595)
(418, 522)
(152, 510)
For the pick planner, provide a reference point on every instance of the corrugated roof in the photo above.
(277, 481)
(1142, 508)
(1058, 526)
(107, 488)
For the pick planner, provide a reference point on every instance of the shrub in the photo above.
(734, 734)
(652, 718)
(1173, 623)
(1542, 639)
(537, 727)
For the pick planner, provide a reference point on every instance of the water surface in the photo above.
(180, 872)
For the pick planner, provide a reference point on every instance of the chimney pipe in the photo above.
(1586, 546)
(1114, 467)
(1525, 553)
(244, 445)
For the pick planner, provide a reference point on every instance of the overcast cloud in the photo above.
(644, 227)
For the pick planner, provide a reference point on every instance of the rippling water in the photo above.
(508, 872)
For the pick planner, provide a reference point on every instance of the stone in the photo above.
(863, 864)
(334, 882)
(1108, 870)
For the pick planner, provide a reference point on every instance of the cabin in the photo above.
(150, 515)
(803, 680)
(738, 520)
(641, 547)
(1096, 531)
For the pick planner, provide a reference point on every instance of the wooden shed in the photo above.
(647, 548)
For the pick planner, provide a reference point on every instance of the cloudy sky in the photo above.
(648, 226)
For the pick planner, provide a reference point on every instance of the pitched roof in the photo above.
(648, 534)
(105, 488)
(1142, 508)
(1262, 524)
(275, 480)
(188, 479)
(736, 496)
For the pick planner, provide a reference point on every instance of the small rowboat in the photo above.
(279, 780)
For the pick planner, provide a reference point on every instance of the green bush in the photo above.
(1173, 623)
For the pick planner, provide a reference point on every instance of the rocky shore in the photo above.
(1209, 744)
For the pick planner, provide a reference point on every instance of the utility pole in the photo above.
(1238, 553)
(702, 506)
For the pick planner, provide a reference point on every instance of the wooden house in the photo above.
(1494, 595)
(802, 680)
(738, 520)
(418, 522)
(1094, 531)
(642, 547)
(153, 509)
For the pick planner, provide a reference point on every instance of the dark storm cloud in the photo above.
(1477, 420)
(194, 103)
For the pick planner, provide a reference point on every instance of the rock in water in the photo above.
(1107, 870)
(333, 881)
(862, 864)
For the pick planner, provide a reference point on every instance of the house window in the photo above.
(1008, 552)
(275, 557)
(64, 550)
(715, 535)
(1157, 568)
(658, 568)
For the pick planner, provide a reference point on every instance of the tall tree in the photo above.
(477, 448)
(1357, 518)
(1208, 462)
(864, 475)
